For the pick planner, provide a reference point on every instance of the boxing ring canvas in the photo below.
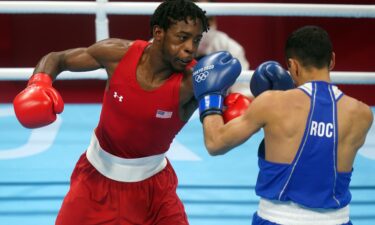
(36, 165)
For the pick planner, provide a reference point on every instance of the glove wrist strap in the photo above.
(40, 78)
(210, 104)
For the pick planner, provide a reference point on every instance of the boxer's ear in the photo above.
(333, 61)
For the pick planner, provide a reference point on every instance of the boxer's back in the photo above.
(287, 124)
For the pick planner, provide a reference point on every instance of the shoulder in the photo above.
(112, 44)
(225, 40)
(110, 49)
(359, 110)
(115, 42)
(221, 34)
(365, 112)
(263, 105)
(274, 98)
(277, 103)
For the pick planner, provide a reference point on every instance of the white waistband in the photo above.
(122, 169)
(289, 213)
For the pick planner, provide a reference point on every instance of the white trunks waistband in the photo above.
(289, 213)
(122, 169)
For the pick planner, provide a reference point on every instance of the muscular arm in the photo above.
(188, 103)
(189, 108)
(220, 137)
(356, 119)
(365, 119)
(99, 55)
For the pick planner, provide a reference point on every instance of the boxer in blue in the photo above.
(312, 134)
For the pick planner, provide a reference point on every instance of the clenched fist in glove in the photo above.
(38, 104)
(270, 75)
(236, 105)
(212, 76)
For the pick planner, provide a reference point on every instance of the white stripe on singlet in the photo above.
(122, 169)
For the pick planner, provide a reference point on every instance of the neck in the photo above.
(152, 61)
(315, 75)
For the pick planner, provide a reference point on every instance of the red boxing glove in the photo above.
(236, 105)
(38, 104)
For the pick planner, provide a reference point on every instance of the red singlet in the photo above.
(134, 122)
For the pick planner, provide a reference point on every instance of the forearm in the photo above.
(214, 135)
(220, 137)
(50, 64)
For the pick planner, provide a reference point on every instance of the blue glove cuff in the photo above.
(210, 104)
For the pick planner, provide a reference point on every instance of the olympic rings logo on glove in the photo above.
(201, 77)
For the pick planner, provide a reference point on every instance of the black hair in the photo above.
(170, 11)
(311, 45)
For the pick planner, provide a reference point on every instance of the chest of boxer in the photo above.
(135, 122)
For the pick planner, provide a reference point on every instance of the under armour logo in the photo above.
(119, 97)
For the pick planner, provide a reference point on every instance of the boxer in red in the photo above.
(124, 177)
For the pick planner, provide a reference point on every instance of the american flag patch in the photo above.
(163, 114)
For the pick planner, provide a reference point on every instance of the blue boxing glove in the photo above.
(212, 76)
(270, 75)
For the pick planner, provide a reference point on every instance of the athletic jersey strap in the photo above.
(308, 89)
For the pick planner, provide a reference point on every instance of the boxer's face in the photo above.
(180, 43)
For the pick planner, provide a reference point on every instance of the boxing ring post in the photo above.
(101, 21)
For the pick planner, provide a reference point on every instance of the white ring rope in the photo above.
(102, 7)
(338, 77)
(147, 8)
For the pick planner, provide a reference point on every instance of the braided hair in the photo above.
(171, 11)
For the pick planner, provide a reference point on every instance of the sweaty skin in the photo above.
(283, 115)
(182, 38)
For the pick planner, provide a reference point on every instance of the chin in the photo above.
(178, 68)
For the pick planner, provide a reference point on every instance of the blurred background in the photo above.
(25, 38)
